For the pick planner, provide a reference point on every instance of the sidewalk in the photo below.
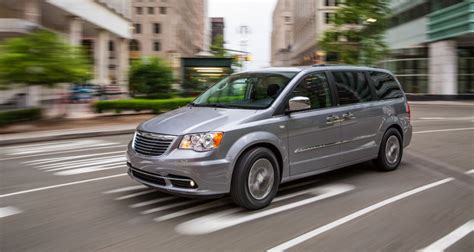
(71, 128)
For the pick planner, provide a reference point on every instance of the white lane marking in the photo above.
(56, 159)
(60, 185)
(161, 208)
(442, 130)
(218, 203)
(126, 189)
(221, 220)
(151, 202)
(128, 196)
(63, 152)
(451, 238)
(90, 169)
(7, 211)
(470, 171)
(209, 205)
(311, 234)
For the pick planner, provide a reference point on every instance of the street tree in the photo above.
(41, 58)
(217, 47)
(150, 77)
(357, 32)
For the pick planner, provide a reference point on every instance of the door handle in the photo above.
(332, 119)
(348, 115)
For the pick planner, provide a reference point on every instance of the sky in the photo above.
(257, 14)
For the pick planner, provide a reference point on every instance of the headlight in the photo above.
(201, 141)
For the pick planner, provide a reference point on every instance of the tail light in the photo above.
(408, 110)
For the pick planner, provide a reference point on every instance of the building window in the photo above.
(163, 10)
(157, 28)
(328, 17)
(111, 46)
(137, 28)
(139, 10)
(151, 10)
(287, 19)
(331, 2)
(156, 46)
(134, 45)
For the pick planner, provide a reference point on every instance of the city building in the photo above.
(432, 45)
(310, 19)
(282, 33)
(217, 28)
(168, 29)
(101, 26)
(103, 30)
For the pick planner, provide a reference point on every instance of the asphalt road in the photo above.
(73, 195)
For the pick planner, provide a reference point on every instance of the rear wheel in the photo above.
(390, 152)
(256, 179)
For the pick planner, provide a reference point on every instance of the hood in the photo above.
(194, 120)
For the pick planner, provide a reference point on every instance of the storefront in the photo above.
(201, 72)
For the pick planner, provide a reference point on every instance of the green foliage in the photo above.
(41, 58)
(19, 115)
(357, 35)
(151, 77)
(217, 47)
(156, 106)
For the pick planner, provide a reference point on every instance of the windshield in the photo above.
(246, 90)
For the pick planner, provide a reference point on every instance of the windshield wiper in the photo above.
(217, 105)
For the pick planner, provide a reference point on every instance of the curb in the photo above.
(65, 137)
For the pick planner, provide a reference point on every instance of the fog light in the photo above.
(192, 184)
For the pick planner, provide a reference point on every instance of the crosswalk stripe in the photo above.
(55, 147)
(8, 211)
(125, 189)
(135, 195)
(63, 152)
(80, 165)
(209, 205)
(151, 202)
(161, 208)
(58, 159)
(36, 145)
(87, 170)
(75, 162)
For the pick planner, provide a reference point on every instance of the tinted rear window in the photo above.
(386, 87)
(352, 87)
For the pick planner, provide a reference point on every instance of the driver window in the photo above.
(316, 87)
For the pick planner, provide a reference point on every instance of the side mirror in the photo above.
(298, 103)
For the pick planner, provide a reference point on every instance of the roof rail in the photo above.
(321, 65)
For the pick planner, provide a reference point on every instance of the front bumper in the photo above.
(174, 170)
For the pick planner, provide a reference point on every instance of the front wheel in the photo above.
(390, 152)
(256, 179)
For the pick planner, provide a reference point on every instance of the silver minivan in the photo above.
(252, 131)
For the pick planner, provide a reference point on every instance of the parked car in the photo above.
(253, 131)
(82, 93)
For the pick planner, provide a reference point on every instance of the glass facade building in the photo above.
(432, 45)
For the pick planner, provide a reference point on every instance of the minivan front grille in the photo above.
(151, 144)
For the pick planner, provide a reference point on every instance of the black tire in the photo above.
(382, 162)
(240, 192)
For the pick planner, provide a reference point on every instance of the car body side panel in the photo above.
(267, 131)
